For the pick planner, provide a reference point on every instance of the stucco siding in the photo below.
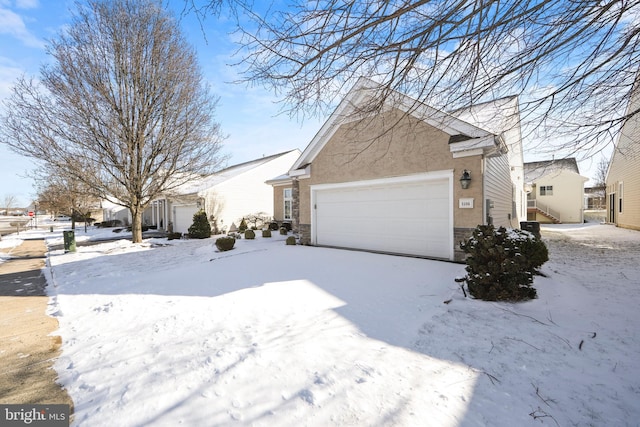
(278, 201)
(390, 145)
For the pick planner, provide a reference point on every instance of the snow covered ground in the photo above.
(174, 332)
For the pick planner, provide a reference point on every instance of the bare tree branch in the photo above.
(123, 109)
(572, 63)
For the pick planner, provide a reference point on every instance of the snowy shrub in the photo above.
(501, 263)
(174, 236)
(283, 231)
(249, 234)
(286, 225)
(533, 250)
(200, 229)
(266, 233)
(225, 243)
(273, 226)
(291, 240)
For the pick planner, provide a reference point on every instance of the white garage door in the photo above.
(183, 217)
(397, 216)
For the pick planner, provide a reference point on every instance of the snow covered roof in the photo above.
(534, 170)
(496, 116)
(225, 174)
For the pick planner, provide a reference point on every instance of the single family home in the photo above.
(623, 177)
(556, 191)
(405, 178)
(226, 196)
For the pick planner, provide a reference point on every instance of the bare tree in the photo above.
(123, 109)
(600, 179)
(9, 200)
(60, 193)
(573, 63)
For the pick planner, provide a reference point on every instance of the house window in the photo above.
(620, 188)
(546, 190)
(288, 203)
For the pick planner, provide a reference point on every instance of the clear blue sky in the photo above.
(249, 116)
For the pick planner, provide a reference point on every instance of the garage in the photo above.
(405, 215)
(183, 217)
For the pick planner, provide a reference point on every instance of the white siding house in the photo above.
(226, 196)
(557, 191)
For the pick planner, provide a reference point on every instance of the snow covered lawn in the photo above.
(174, 332)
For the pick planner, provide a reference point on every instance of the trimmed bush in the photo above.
(283, 231)
(200, 229)
(501, 263)
(273, 226)
(286, 225)
(249, 234)
(243, 226)
(266, 233)
(291, 240)
(174, 236)
(225, 243)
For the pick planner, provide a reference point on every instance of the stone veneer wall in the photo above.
(304, 231)
(459, 235)
(295, 205)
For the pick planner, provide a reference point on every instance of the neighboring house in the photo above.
(623, 176)
(390, 180)
(557, 191)
(226, 196)
(594, 198)
(113, 212)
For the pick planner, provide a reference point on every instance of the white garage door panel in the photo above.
(408, 217)
(183, 217)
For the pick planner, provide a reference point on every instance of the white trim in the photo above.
(428, 176)
(445, 173)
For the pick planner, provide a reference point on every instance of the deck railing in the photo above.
(533, 203)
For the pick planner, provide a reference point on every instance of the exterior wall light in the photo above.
(465, 179)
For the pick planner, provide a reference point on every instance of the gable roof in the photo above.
(496, 116)
(225, 174)
(535, 170)
(365, 90)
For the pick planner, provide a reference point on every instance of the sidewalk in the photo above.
(27, 351)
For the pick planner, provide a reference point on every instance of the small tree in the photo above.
(200, 229)
(501, 263)
(243, 226)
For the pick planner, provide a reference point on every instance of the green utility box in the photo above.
(69, 241)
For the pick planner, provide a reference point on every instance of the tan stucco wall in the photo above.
(278, 201)
(389, 145)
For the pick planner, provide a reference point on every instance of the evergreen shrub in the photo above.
(501, 263)
(225, 243)
(266, 233)
(283, 231)
(291, 240)
(243, 226)
(249, 234)
(200, 229)
(273, 226)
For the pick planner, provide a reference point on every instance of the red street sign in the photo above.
(30, 213)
